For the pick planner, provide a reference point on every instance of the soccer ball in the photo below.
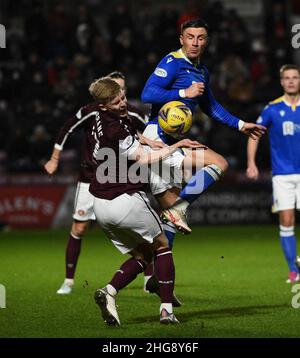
(175, 118)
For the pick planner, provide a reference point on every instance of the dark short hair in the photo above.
(194, 23)
(116, 74)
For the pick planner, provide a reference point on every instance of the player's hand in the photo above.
(252, 172)
(187, 143)
(51, 166)
(195, 90)
(253, 130)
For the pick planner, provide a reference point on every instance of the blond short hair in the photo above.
(104, 90)
(288, 67)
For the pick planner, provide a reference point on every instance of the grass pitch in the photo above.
(231, 280)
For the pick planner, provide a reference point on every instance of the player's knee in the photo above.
(287, 223)
(160, 242)
(287, 218)
(79, 228)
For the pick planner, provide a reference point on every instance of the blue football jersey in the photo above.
(174, 73)
(283, 122)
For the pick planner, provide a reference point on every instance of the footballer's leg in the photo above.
(284, 199)
(106, 297)
(151, 283)
(288, 243)
(165, 273)
(72, 255)
(83, 213)
(140, 224)
(209, 167)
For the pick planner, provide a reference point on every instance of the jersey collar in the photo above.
(184, 56)
(293, 106)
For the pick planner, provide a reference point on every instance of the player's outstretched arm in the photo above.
(252, 170)
(254, 131)
(52, 164)
(213, 109)
(143, 157)
(154, 144)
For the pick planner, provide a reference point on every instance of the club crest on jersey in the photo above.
(282, 113)
(160, 72)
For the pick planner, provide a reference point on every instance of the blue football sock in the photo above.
(170, 232)
(288, 244)
(200, 181)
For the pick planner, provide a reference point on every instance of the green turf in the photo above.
(231, 280)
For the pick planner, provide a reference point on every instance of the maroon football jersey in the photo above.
(111, 178)
(85, 119)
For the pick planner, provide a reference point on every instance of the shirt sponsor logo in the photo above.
(288, 128)
(160, 72)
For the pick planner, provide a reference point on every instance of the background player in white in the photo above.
(282, 117)
(121, 206)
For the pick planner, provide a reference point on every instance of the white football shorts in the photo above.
(128, 220)
(168, 172)
(83, 204)
(286, 192)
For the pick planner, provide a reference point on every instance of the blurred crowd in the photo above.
(55, 49)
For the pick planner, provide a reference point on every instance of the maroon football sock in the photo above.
(127, 273)
(165, 273)
(149, 270)
(72, 254)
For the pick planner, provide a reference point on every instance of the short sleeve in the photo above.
(265, 117)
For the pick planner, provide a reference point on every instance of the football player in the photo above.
(121, 205)
(181, 76)
(85, 119)
(282, 117)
